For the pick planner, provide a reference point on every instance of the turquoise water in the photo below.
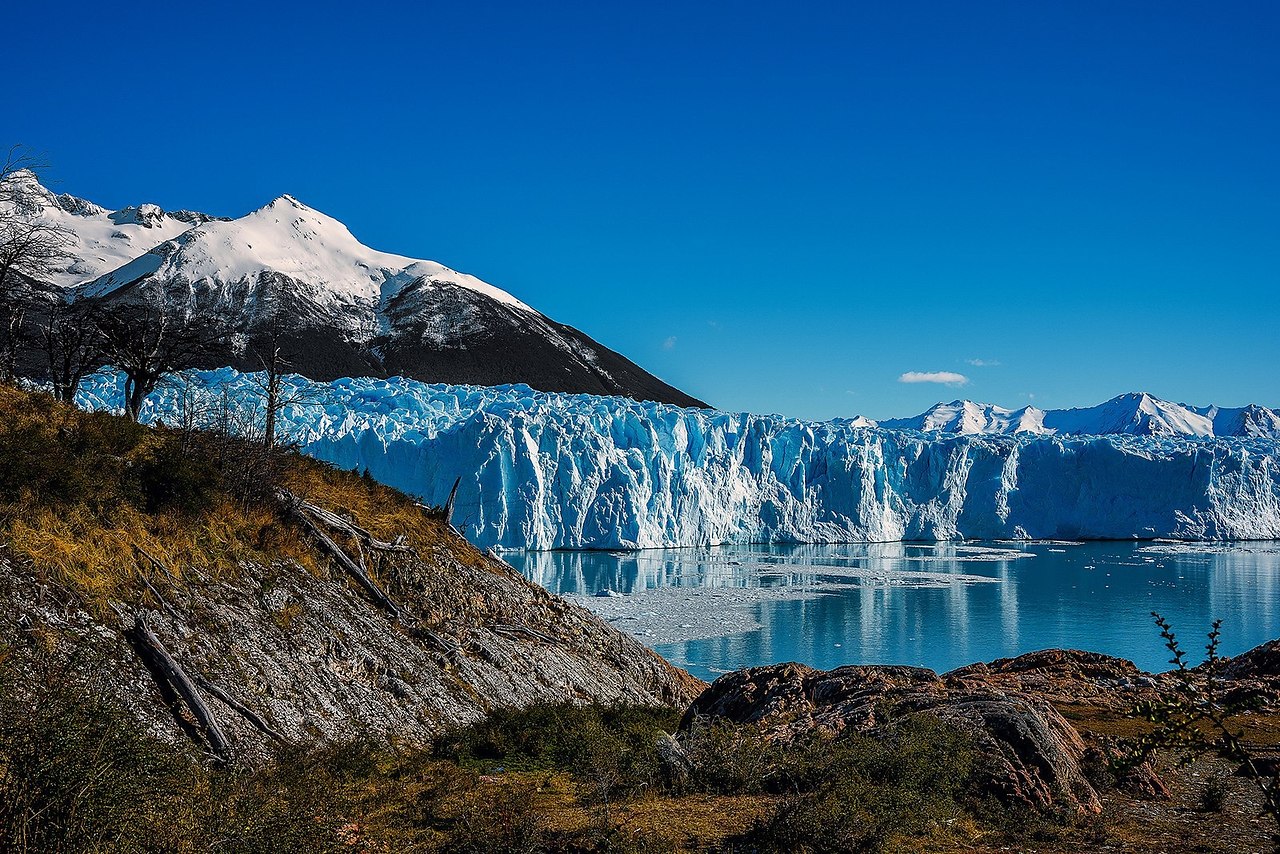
(940, 606)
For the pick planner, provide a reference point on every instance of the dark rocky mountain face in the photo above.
(431, 331)
(340, 308)
(443, 333)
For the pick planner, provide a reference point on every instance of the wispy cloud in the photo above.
(983, 363)
(670, 343)
(943, 377)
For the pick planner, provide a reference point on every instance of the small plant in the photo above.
(1195, 720)
(1213, 797)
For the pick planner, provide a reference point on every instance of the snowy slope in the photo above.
(1252, 420)
(551, 470)
(965, 416)
(1136, 414)
(103, 240)
(290, 239)
(345, 309)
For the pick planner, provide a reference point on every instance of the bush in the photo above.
(860, 793)
(78, 774)
(612, 749)
(735, 760)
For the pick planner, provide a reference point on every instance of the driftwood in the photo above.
(165, 667)
(327, 545)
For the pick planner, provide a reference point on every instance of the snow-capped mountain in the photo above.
(102, 240)
(1135, 414)
(345, 309)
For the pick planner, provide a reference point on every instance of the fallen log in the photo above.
(327, 545)
(240, 708)
(334, 522)
(163, 665)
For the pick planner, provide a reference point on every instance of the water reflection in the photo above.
(1095, 596)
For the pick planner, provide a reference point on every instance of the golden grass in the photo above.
(73, 515)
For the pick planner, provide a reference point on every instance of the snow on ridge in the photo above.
(104, 240)
(542, 470)
(283, 236)
(1136, 413)
(288, 237)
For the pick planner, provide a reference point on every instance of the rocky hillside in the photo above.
(239, 598)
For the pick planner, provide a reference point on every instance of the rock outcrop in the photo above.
(282, 653)
(1027, 753)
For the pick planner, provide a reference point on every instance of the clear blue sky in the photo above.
(775, 206)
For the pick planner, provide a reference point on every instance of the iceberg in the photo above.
(541, 470)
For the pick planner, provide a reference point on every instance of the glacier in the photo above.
(547, 471)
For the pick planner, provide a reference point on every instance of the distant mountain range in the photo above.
(347, 309)
(1136, 414)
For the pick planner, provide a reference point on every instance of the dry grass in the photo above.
(96, 504)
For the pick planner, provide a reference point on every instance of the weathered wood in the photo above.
(240, 708)
(327, 545)
(335, 522)
(448, 505)
(448, 647)
(162, 663)
(154, 561)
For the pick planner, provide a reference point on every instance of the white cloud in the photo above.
(983, 363)
(669, 343)
(944, 377)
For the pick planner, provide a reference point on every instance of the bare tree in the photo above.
(18, 174)
(31, 247)
(72, 344)
(146, 341)
(276, 392)
(28, 243)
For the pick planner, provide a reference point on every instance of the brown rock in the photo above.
(1027, 753)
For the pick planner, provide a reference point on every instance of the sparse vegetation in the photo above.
(96, 503)
(78, 774)
(1201, 717)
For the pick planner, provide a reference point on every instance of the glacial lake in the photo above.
(713, 610)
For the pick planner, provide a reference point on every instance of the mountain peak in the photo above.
(1133, 413)
(286, 200)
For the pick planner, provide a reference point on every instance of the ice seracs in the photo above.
(578, 471)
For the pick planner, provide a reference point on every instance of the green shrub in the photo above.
(860, 793)
(610, 748)
(78, 774)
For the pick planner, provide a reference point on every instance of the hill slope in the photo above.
(300, 602)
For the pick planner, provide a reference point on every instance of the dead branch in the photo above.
(243, 710)
(448, 505)
(334, 522)
(163, 665)
(293, 507)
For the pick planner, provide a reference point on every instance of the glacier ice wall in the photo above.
(547, 471)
